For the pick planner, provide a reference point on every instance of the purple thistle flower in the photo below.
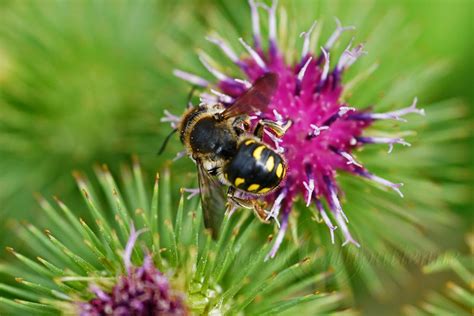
(143, 291)
(325, 130)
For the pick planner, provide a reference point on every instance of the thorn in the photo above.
(105, 168)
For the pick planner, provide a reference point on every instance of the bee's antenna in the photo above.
(189, 103)
(165, 142)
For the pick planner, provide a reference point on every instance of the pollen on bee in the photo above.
(238, 181)
(270, 163)
(253, 187)
(257, 153)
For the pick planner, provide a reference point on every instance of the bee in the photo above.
(226, 153)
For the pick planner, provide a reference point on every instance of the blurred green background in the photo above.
(85, 82)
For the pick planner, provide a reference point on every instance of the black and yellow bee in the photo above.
(226, 153)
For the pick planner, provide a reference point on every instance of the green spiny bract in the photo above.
(80, 82)
(456, 299)
(78, 259)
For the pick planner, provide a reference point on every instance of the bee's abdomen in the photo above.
(255, 168)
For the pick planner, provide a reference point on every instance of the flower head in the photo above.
(325, 129)
(142, 291)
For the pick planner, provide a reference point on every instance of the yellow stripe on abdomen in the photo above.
(264, 190)
(253, 187)
(257, 153)
(270, 164)
(238, 181)
(250, 141)
(279, 170)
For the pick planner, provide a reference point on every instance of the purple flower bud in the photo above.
(143, 291)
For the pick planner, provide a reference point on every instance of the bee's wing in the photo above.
(256, 98)
(213, 200)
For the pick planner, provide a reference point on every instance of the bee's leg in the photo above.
(239, 201)
(241, 124)
(248, 204)
(275, 127)
(260, 211)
